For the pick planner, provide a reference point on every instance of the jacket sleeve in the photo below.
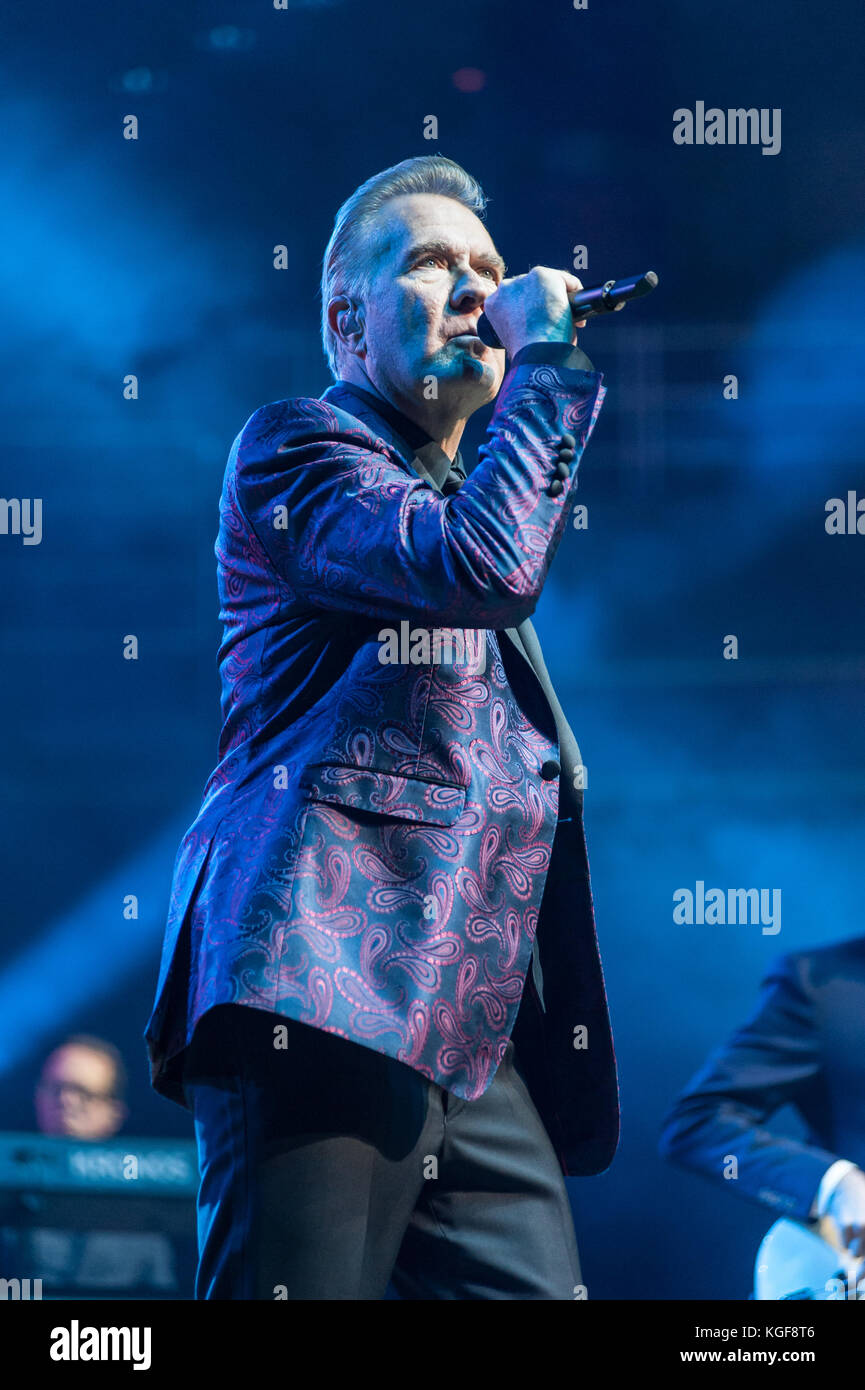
(775, 1059)
(350, 530)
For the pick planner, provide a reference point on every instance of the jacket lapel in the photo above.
(344, 398)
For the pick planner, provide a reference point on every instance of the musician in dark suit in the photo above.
(380, 991)
(803, 1046)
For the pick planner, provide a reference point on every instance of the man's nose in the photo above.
(470, 290)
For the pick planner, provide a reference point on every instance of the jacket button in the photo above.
(568, 441)
(555, 487)
(550, 769)
(567, 455)
(563, 471)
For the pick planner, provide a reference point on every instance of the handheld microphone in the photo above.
(598, 299)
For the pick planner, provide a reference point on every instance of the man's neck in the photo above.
(446, 431)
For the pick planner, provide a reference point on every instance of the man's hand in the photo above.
(534, 308)
(846, 1207)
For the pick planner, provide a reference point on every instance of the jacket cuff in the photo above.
(553, 355)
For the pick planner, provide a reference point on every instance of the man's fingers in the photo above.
(573, 286)
(571, 281)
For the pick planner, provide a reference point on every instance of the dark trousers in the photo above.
(329, 1171)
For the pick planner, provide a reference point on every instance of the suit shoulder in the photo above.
(815, 966)
(845, 959)
(297, 419)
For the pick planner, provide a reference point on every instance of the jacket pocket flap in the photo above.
(385, 793)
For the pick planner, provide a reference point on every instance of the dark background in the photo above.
(706, 515)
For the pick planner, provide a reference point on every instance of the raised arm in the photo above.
(348, 529)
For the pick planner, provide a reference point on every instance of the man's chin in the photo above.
(482, 373)
(468, 369)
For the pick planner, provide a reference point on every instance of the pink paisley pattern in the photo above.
(372, 848)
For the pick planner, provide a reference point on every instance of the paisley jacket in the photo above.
(374, 851)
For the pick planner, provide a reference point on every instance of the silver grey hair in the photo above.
(349, 261)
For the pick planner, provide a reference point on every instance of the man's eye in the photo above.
(489, 270)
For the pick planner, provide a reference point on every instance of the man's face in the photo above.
(435, 264)
(74, 1095)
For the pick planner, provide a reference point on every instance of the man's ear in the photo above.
(346, 319)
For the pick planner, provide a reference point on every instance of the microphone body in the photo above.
(597, 299)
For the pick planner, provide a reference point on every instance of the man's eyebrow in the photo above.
(443, 248)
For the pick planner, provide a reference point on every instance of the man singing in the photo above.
(380, 992)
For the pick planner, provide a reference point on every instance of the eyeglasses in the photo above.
(55, 1089)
